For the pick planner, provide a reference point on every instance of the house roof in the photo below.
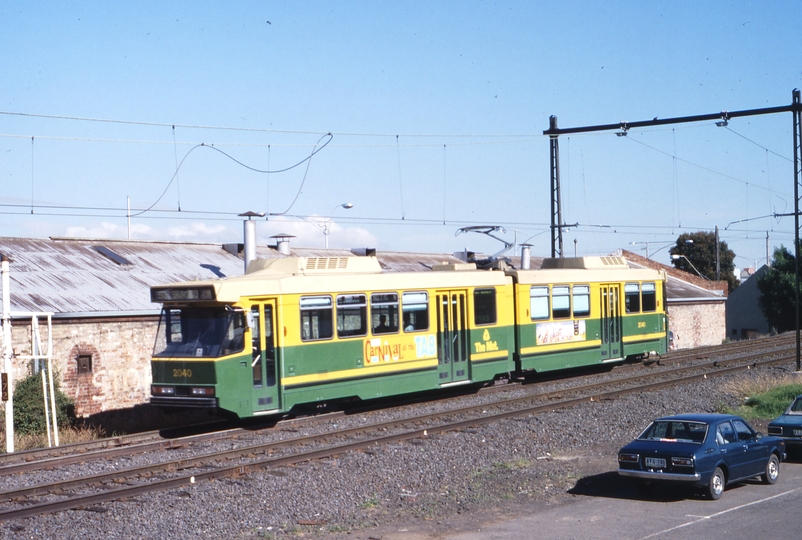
(681, 287)
(82, 277)
(72, 277)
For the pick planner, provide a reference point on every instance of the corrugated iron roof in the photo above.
(91, 277)
(83, 276)
(73, 276)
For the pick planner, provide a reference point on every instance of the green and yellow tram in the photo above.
(587, 311)
(300, 330)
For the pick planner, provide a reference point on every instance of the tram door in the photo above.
(611, 344)
(452, 337)
(263, 357)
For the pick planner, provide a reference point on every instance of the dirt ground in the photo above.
(567, 477)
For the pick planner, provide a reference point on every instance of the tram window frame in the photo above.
(561, 301)
(415, 311)
(632, 301)
(538, 310)
(350, 308)
(384, 305)
(317, 313)
(484, 306)
(649, 296)
(580, 298)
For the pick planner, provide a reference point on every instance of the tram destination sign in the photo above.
(181, 294)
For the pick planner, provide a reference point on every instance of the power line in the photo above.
(257, 130)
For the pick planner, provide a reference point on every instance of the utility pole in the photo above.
(8, 383)
(797, 114)
(718, 263)
(556, 205)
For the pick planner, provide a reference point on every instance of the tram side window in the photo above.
(649, 297)
(316, 318)
(539, 303)
(561, 302)
(415, 310)
(632, 297)
(352, 317)
(384, 313)
(581, 300)
(484, 306)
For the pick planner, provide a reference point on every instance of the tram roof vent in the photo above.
(451, 267)
(584, 263)
(316, 265)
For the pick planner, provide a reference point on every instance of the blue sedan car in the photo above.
(701, 450)
(789, 425)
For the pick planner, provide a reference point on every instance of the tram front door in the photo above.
(265, 396)
(611, 345)
(452, 337)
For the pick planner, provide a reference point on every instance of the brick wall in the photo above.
(697, 325)
(119, 350)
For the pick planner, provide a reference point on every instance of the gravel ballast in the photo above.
(433, 485)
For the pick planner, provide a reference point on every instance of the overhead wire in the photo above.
(306, 160)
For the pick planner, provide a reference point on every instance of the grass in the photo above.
(369, 503)
(519, 463)
(65, 436)
(765, 397)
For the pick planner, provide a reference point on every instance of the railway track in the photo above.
(174, 438)
(168, 474)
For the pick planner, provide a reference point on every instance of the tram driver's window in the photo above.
(384, 313)
(415, 310)
(561, 302)
(352, 315)
(316, 318)
(649, 297)
(632, 297)
(539, 303)
(484, 306)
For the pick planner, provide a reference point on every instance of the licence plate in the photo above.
(798, 433)
(658, 463)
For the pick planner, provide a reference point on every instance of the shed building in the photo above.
(104, 324)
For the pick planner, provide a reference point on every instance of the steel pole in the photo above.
(4, 269)
(797, 114)
(556, 210)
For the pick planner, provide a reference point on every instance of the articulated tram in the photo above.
(306, 330)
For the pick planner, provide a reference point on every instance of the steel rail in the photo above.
(241, 469)
(111, 447)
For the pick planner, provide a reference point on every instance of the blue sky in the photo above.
(436, 111)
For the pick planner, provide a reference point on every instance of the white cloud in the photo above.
(310, 233)
(103, 229)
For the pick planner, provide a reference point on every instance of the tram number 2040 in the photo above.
(182, 373)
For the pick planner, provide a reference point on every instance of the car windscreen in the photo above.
(675, 431)
(796, 407)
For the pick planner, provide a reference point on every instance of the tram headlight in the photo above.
(162, 390)
(202, 391)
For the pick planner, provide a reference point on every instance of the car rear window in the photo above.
(675, 431)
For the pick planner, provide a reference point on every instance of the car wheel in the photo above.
(772, 470)
(715, 487)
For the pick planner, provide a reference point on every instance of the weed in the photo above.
(65, 436)
(369, 503)
(765, 397)
(519, 463)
